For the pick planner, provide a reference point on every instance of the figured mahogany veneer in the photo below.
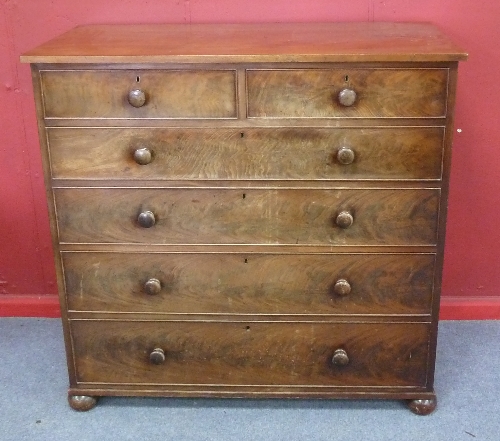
(251, 353)
(224, 153)
(168, 94)
(248, 210)
(248, 216)
(226, 283)
(380, 93)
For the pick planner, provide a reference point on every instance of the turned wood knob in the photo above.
(143, 156)
(340, 358)
(342, 287)
(347, 97)
(136, 98)
(345, 155)
(146, 219)
(152, 286)
(157, 356)
(344, 219)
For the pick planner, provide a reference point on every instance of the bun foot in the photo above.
(82, 403)
(423, 407)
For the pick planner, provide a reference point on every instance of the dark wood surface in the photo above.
(248, 216)
(82, 403)
(313, 93)
(254, 171)
(423, 406)
(264, 42)
(249, 283)
(250, 353)
(221, 154)
(169, 94)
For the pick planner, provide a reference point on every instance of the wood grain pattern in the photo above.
(244, 188)
(249, 283)
(246, 153)
(262, 42)
(169, 93)
(251, 353)
(381, 93)
(198, 216)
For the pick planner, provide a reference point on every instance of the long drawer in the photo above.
(165, 93)
(248, 216)
(246, 153)
(235, 283)
(314, 93)
(250, 353)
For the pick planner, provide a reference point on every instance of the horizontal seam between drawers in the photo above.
(340, 322)
(245, 385)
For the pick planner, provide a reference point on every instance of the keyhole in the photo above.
(246, 260)
(244, 195)
(346, 78)
(138, 79)
(242, 134)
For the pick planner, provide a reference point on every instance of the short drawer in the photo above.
(249, 283)
(247, 216)
(379, 93)
(166, 93)
(296, 153)
(250, 353)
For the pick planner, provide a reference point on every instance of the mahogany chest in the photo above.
(248, 210)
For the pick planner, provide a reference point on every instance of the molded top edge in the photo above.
(235, 43)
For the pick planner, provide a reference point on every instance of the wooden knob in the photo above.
(340, 358)
(143, 156)
(137, 98)
(157, 356)
(347, 97)
(152, 287)
(345, 155)
(146, 219)
(344, 219)
(342, 287)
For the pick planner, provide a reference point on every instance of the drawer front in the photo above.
(380, 93)
(249, 283)
(298, 153)
(250, 353)
(247, 216)
(168, 94)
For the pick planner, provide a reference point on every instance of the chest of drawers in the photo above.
(248, 210)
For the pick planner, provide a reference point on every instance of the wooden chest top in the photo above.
(271, 42)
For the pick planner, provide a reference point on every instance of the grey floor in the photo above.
(33, 383)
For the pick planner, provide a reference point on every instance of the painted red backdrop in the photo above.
(471, 286)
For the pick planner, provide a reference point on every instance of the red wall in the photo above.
(471, 283)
